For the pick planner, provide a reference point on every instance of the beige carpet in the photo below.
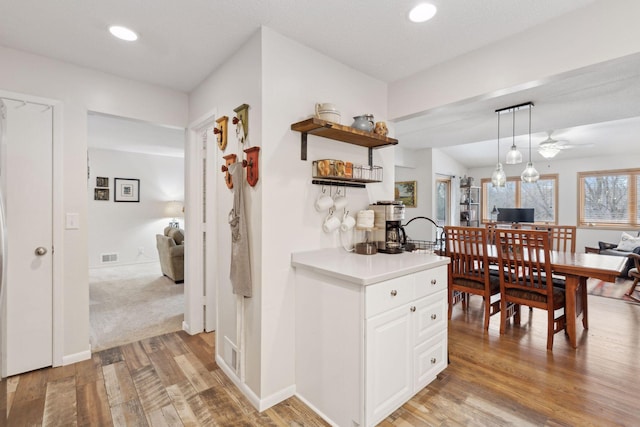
(130, 303)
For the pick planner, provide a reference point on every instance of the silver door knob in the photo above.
(41, 251)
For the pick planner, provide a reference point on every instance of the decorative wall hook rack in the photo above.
(252, 165)
(229, 160)
(220, 130)
(242, 121)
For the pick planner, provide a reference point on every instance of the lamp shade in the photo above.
(514, 156)
(173, 209)
(498, 177)
(530, 174)
(548, 151)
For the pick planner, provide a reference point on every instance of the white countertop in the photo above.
(365, 269)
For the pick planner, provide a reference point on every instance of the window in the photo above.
(541, 195)
(609, 198)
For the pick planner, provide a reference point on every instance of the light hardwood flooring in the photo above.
(492, 380)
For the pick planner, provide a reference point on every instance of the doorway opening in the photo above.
(136, 193)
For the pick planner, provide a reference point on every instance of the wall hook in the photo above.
(220, 130)
(229, 160)
(252, 165)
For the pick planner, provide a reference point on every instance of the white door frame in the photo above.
(197, 296)
(57, 220)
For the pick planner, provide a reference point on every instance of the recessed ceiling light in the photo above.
(123, 33)
(422, 12)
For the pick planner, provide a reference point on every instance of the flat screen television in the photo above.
(515, 215)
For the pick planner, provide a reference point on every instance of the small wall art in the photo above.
(102, 181)
(101, 194)
(126, 190)
(406, 192)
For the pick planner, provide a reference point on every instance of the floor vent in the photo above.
(107, 258)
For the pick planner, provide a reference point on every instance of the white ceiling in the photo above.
(181, 43)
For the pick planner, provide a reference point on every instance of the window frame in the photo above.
(486, 218)
(632, 199)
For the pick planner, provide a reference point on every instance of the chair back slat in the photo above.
(467, 249)
(562, 237)
(525, 258)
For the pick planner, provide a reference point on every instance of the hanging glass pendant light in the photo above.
(530, 174)
(498, 177)
(514, 156)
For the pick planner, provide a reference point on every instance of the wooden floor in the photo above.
(491, 381)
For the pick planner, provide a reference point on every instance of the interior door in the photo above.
(27, 175)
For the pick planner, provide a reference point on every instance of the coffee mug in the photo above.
(348, 222)
(339, 202)
(331, 223)
(323, 202)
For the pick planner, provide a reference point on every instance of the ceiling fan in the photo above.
(550, 147)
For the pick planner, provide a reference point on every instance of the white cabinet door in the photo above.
(430, 316)
(389, 379)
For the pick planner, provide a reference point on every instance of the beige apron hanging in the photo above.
(240, 273)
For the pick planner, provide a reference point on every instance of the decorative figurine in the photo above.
(381, 129)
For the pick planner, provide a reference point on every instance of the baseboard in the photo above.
(259, 404)
(316, 410)
(187, 328)
(77, 357)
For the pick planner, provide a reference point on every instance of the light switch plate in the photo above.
(72, 221)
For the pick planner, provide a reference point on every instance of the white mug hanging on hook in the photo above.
(348, 222)
(331, 223)
(324, 201)
(340, 199)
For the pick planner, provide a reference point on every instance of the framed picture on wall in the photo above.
(406, 192)
(102, 181)
(101, 194)
(126, 190)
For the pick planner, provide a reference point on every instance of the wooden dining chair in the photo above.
(525, 258)
(634, 273)
(469, 270)
(563, 237)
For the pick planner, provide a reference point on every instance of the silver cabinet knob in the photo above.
(41, 251)
(434, 317)
(434, 281)
(413, 309)
(394, 293)
(433, 360)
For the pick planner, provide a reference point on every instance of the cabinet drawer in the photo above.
(430, 358)
(389, 294)
(428, 282)
(430, 316)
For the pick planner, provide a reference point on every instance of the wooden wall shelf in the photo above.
(341, 133)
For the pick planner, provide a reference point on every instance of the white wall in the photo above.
(295, 78)
(599, 32)
(124, 228)
(282, 80)
(80, 90)
(429, 164)
(567, 171)
(236, 82)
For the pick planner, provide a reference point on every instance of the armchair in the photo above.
(171, 250)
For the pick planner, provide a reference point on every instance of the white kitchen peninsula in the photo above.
(371, 331)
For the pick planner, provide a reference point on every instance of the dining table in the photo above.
(577, 268)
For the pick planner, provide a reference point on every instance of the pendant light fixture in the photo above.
(498, 177)
(530, 174)
(514, 156)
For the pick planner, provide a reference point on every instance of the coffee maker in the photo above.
(388, 216)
